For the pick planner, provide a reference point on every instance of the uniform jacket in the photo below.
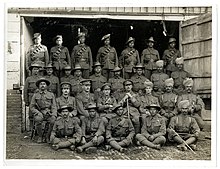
(97, 81)
(116, 83)
(107, 56)
(75, 85)
(54, 85)
(82, 55)
(60, 57)
(159, 79)
(149, 57)
(128, 59)
(69, 101)
(147, 100)
(37, 53)
(43, 102)
(66, 78)
(138, 82)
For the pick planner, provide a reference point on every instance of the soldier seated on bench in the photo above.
(120, 131)
(66, 130)
(93, 129)
(43, 106)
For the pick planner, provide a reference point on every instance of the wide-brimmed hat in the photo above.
(36, 35)
(69, 108)
(154, 105)
(105, 37)
(97, 64)
(77, 67)
(57, 37)
(116, 69)
(172, 40)
(49, 66)
(35, 65)
(151, 39)
(86, 80)
(81, 34)
(91, 106)
(42, 80)
(67, 67)
(139, 66)
(116, 106)
(129, 40)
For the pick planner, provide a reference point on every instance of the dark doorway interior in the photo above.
(96, 28)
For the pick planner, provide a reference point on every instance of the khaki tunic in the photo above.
(54, 85)
(147, 100)
(149, 57)
(75, 85)
(138, 82)
(69, 101)
(67, 78)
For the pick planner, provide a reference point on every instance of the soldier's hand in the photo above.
(147, 113)
(98, 89)
(83, 140)
(151, 138)
(129, 95)
(78, 139)
(95, 139)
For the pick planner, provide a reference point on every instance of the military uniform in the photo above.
(119, 132)
(158, 79)
(54, 85)
(138, 82)
(66, 132)
(67, 78)
(155, 127)
(75, 85)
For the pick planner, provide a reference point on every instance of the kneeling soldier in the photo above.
(66, 130)
(120, 131)
(153, 130)
(183, 128)
(92, 130)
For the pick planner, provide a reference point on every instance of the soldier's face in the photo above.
(189, 88)
(169, 88)
(160, 68)
(118, 73)
(153, 111)
(150, 44)
(37, 40)
(185, 109)
(119, 111)
(42, 85)
(65, 113)
(78, 73)
(98, 69)
(82, 39)
(67, 72)
(59, 41)
(49, 71)
(131, 44)
(66, 90)
(128, 87)
(148, 89)
(179, 66)
(86, 87)
(35, 70)
(92, 113)
(106, 91)
(107, 41)
(172, 45)
(139, 71)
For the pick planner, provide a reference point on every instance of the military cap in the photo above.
(106, 37)
(169, 82)
(34, 65)
(91, 106)
(130, 39)
(86, 80)
(151, 39)
(77, 67)
(49, 65)
(154, 105)
(183, 103)
(67, 67)
(187, 82)
(36, 35)
(159, 63)
(139, 66)
(116, 106)
(65, 107)
(97, 64)
(106, 85)
(65, 83)
(148, 83)
(172, 40)
(127, 82)
(42, 80)
(58, 37)
(81, 34)
(179, 60)
(116, 69)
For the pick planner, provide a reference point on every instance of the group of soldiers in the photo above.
(114, 101)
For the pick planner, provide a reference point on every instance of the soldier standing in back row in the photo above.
(59, 56)
(82, 55)
(170, 55)
(107, 56)
(37, 53)
(149, 57)
(129, 58)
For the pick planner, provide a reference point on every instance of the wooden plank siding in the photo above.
(197, 51)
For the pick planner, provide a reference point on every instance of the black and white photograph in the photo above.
(109, 83)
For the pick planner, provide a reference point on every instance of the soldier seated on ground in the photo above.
(105, 103)
(66, 130)
(92, 131)
(153, 129)
(120, 131)
(182, 128)
(43, 107)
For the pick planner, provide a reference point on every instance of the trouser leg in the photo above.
(64, 144)
(160, 140)
(143, 140)
(51, 123)
(136, 123)
(100, 140)
(191, 140)
(115, 145)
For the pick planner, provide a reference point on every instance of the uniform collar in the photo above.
(42, 92)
